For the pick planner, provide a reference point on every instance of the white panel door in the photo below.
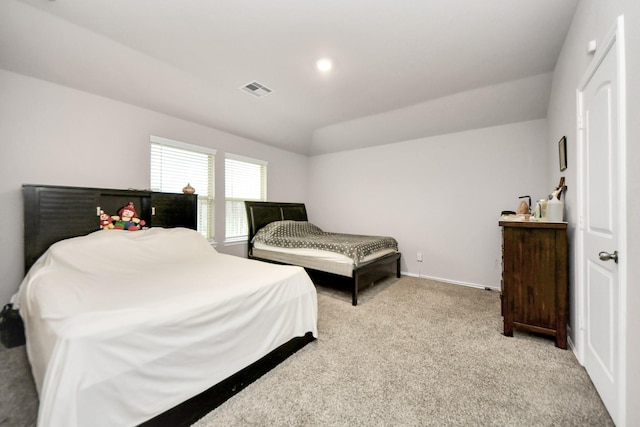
(600, 145)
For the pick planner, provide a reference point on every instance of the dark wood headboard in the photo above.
(260, 214)
(53, 213)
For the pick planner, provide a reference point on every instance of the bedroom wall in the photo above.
(55, 135)
(592, 21)
(440, 196)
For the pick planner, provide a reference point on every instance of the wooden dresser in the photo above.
(534, 278)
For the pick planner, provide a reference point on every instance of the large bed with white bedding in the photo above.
(281, 233)
(124, 327)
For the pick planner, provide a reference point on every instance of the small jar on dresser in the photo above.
(534, 278)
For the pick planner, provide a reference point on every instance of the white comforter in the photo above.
(122, 326)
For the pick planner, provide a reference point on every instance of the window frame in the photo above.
(208, 199)
(238, 239)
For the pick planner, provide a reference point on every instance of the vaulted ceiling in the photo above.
(401, 70)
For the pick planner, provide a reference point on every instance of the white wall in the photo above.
(54, 135)
(440, 196)
(509, 102)
(592, 21)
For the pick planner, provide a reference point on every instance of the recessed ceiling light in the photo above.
(324, 65)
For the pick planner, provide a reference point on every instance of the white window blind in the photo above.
(245, 179)
(174, 165)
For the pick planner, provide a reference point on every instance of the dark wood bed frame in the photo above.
(260, 214)
(53, 213)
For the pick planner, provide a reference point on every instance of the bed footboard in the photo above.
(370, 272)
(190, 411)
(361, 277)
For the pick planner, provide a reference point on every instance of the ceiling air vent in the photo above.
(256, 89)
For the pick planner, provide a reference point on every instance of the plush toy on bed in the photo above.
(106, 222)
(127, 219)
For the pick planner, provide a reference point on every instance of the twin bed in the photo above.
(154, 327)
(281, 233)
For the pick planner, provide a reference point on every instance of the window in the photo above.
(175, 164)
(245, 179)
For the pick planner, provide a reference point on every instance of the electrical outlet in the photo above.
(419, 256)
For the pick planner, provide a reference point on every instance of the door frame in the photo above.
(614, 39)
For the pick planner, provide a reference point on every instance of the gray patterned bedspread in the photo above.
(303, 234)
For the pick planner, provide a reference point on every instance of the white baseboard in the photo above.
(573, 347)
(454, 282)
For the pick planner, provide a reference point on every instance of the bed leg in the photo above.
(398, 268)
(354, 291)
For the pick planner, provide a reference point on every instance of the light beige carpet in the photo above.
(418, 353)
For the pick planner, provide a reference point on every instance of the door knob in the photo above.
(606, 256)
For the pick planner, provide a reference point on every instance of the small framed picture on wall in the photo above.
(562, 152)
